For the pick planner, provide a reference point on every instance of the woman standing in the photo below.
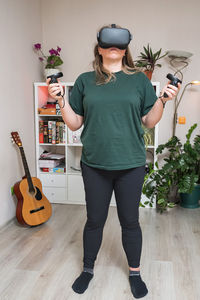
(112, 101)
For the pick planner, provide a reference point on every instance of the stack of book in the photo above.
(51, 162)
(51, 132)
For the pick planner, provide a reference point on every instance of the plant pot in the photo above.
(48, 72)
(148, 74)
(191, 200)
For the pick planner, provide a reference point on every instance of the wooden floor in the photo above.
(42, 262)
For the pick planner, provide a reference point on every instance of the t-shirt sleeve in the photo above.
(149, 96)
(76, 97)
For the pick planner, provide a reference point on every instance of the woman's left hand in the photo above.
(170, 90)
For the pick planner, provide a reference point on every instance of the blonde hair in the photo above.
(104, 76)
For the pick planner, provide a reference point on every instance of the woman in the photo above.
(112, 101)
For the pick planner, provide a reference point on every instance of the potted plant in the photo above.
(181, 171)
(148, 60)
(148, 136)
(51, 62)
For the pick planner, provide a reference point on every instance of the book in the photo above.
(41, 131)
(50, 132)
(46, 139)
(48, 163)
(57, 132)
(53, 141)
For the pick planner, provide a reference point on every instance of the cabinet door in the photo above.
(56, 180)
(76, 192)
(55, 195)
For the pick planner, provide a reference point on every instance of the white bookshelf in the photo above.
(68, 187)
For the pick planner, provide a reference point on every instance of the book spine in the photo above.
(57, 132)
(60, 133)
(50, 132)
(64, 133)
(53, 132)
(41, 131)
(45, 132)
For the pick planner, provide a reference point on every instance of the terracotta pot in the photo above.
(148, 74)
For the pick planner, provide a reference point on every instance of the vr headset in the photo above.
(114, 37)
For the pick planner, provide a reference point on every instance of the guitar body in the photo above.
(32, 208)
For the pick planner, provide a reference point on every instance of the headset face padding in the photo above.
(114, 37)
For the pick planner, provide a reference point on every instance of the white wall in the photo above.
(20, 27)
(164, 24)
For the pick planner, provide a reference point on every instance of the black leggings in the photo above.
(99, 185)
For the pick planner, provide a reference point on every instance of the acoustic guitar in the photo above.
(33, 208)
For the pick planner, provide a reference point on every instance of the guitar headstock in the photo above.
(16, 138)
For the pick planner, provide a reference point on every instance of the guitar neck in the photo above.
(26, 169)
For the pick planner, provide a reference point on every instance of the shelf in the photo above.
(75, 145)
(40, 115)
(49, 144)
(150, 147)
(80, 145)
(74, 173)
(53, 173)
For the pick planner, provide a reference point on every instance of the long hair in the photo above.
(103, 75)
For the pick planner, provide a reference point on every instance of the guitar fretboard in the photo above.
(26, 169)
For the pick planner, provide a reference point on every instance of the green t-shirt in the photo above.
(112, 136)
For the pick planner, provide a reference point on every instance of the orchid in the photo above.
(53, 60)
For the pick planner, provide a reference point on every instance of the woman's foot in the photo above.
(138, 287)
(81, 283)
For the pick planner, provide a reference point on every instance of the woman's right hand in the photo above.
(54, 89)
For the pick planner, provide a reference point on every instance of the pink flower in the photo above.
(53, 52)
(50, 61)
(37, 46)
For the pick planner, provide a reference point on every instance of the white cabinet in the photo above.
(68, 187)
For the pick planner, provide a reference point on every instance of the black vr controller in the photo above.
(114, 37)
(174, 81)
(54, 79)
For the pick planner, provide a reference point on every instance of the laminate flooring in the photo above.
(42, 262)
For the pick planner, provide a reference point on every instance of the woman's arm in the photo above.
(155, 114)
(71, 119)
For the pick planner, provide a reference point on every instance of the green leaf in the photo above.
(160, 201)
(171, 204)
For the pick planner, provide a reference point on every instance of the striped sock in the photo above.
(89, 270)
(132, 273)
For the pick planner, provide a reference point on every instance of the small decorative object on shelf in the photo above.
(51, 62)
(74, 137)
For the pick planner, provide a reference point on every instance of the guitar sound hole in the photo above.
(38, 195)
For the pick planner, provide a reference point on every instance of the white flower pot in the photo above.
(48, 72)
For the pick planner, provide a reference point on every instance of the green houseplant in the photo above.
(181, 171)
(147, 60)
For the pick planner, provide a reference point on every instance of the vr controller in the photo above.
(54, 79)
(174, 81)
(114, 37)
